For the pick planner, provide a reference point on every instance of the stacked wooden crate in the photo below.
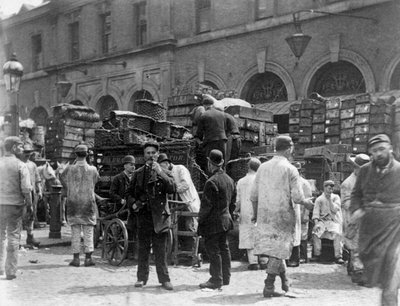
(294, 127)
(305, 122)
(318, 124)
(179, 108)
(69, 126)
(332, 121)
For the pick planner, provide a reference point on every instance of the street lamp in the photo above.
(12, 71)
(298, 41)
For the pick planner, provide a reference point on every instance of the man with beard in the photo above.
(375, 200)
(148, 192)
(118, 193)
(275, 190)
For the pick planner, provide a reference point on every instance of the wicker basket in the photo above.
(135, 136)
(177, 131)
(140, 122)
(237, 168)
(155, 110)
(107, 138)
(162, 128)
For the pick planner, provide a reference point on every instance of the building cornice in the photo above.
(260, 25)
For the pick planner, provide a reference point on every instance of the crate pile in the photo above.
(179, 108)
(328, 162)
(257, 130)
(69, 126)
(350, 120)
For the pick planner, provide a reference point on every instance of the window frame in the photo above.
(71, 26)
(106, 35)
(37, 57)
(141, 22)
(203, 7)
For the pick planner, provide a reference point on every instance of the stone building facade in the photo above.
(113, 52)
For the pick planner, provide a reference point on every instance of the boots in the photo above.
(284, 281)
(303, 251)
(269, 288)
(88, 260)
(31, 241)
(75, 262)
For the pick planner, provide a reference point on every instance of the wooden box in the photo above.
(295, 107)
(250, 113)
(380, 129)
(346, 133)
(306, 121)
(350, 103)
(332, 140)
(348, 141)
(347, 124)
(318, 118)
(362, 98)
(271, 128)
(294, 114)
(363, 108)
(361, 129)
(332, 130)
(294, 128)
(361, 119)
(380, 118)
(294, 120)
(333, 121)
(347, 113)
(305, 139)
(333, 103)
(306, 113)
(363, 138)
(381, 108)
(305, 131)
(360, 148)
(307, 104)
(332, 113)
(318, 128)
(318, 138)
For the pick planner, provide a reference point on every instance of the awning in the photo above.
(277, 108)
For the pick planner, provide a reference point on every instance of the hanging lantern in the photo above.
(298, 43)
(13, 71)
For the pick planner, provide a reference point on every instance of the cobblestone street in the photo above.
(50, 281)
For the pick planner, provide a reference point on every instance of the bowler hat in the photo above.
(360, 159)
(378, 138)
(329, 183)
(81, 148)
(283, 143)
(128, 159)
(216, 158)
(207, 100)
(162, 158)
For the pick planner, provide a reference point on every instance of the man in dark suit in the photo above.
(211, 128)
(217, 205)
(118, 193)
(148, 193)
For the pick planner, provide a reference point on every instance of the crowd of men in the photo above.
(273, 203)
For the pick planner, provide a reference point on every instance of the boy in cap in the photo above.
(217, 205)
(79, 180)
(375, 200)
(118, 193)
(148, 192)
(350, 231)
(15, 196)
(328, 220)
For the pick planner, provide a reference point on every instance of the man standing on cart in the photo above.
(148, 192)
(118, 192)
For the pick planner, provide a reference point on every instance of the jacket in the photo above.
(217, 204)
(212, 126)
(119, 187)
(151, 198)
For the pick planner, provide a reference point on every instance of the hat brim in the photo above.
(215, 164)
(163, 160)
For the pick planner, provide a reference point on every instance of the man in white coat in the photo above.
(275, 189)
(244, 210)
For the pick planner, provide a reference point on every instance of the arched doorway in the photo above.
(264, 88)
(336, 79)
(39, 115)
(138, 95)
(76, 102)
(105, 105)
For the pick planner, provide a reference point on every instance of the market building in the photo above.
(107, 54)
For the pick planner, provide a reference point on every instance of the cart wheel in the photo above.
(115, 244)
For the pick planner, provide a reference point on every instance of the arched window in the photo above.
(105, 105)
(335, 79)
(263, 88)
(137, 95)
(395, 79)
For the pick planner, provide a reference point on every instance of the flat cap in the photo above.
(81, 148)
(329, 183)
(283, 143)
(128, 159)
(360, 159)
(377, 139)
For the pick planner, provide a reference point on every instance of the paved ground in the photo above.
(45, 278)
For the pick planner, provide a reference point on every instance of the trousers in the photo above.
(337, 246)
(217, 249)
(148, 238)
(10, 230)
(88, 231)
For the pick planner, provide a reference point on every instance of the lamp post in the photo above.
(12, 71)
